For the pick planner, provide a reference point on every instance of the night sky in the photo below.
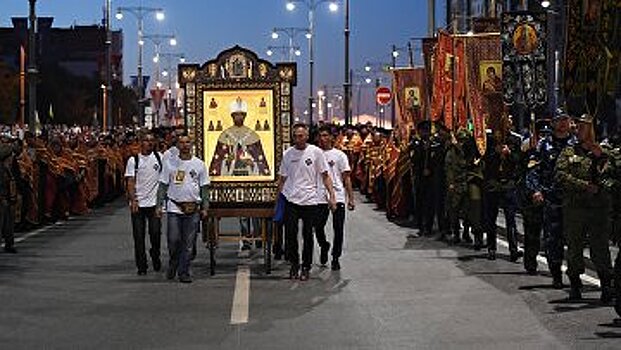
(206, 27)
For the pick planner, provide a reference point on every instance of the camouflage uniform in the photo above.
(456, 184)
(613, 183)
(586, 206)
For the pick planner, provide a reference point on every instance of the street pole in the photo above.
(140, 80)
(108, 47)
(393, 110)
(311, 62)
(431, 18)
(347, 84)
(32, 68)
(410, 55)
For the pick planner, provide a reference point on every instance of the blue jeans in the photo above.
(181, 238)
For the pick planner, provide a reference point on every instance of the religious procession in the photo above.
(461, 189)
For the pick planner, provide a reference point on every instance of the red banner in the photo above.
(449, 82)
(484, 83)
(409, 89)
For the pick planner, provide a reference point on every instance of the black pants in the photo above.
(7, 224)
(293, 214)
(533, 224)
(139, 222)
(338, 225)
(492, 202)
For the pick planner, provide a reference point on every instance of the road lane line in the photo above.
(584, 277)
(36, 232)
(241, 297)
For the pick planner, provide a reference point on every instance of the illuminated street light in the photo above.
(159, 15)
(269, 52)
(298, 52)
(290, 6)
(545, 4)
(333, 7)
(274, 35)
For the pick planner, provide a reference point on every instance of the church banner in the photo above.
(449, 82)
(593, 55)
(484, 84)
(429, 53)
(410, 89)
(524, 60)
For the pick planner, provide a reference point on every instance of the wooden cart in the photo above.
(212, 234)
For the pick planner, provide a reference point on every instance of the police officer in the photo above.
(586, 204)
(532, 212)
(544, 189)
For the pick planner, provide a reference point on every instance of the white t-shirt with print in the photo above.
(338, 163)
(184, 182)
(303, 169)
(146, 178)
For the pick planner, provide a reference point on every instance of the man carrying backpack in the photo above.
(142, 174)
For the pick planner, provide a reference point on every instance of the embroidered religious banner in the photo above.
(484, 84)
(486, 25)
(429, 53)
(524, 59)
(592, 58)
(449, 81)
(409, 88)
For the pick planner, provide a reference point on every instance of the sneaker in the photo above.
(336, 266)
(305, 274)
(10, 250)
(323, 258)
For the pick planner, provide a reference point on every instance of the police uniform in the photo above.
(541, 179)
(586, 203)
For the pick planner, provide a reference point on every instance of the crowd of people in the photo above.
(61, 171)
(563, 182)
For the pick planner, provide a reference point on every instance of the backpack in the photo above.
(157, 156)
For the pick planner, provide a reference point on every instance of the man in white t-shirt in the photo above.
(302, 167)
(339, 171)
(184, 186)
(142, 173)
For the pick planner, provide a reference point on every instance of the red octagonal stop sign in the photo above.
(383, 95)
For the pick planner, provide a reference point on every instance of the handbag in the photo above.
(279, 214)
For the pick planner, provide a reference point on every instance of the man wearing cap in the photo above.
(532, 212)
(544, 190)
(239, 151)
(586, 204)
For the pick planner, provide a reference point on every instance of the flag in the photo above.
(524, 56)
(483, 84)
(449, 81)
(409, 89)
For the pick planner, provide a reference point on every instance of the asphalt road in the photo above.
(74, 286)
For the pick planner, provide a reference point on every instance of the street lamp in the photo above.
(284, 50)
(311, 6)
(140, 12)
(32, 67)
(545, 4)
(291, 33)
(169, 57)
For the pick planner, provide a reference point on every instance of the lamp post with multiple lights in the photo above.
(312, 6)
(140, 12)
(291, 33)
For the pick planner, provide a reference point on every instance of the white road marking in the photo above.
(241, 297)
(36, 232)
(585, 278)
